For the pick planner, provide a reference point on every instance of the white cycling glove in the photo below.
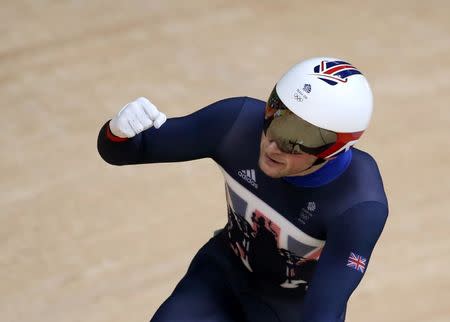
(136, 117)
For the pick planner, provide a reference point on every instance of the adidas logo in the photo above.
(249, 176)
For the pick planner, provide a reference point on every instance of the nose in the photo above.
(273, 147)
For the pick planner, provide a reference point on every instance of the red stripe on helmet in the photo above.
(342, 140)
(337, 68)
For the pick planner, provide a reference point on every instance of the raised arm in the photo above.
(350, 240)
(194, 136)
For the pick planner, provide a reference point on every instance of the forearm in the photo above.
(190, 137)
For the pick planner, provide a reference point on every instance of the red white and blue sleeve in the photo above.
(351, 238)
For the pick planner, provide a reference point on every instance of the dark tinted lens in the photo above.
(292, 147)
(273, 105)
(291, 133)
(274, 101)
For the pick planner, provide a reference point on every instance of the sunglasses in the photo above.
(291, 133)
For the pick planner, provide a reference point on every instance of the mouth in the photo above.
(271, 161)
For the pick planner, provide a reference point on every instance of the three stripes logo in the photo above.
(249, 176)
(333, 72)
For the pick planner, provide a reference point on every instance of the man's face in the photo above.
(276, 164)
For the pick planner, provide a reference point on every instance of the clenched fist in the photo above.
(136, 117)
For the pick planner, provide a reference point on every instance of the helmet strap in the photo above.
(318, 161)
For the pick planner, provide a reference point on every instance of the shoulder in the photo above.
(240, 101)
(361, 182)
(366, 177)
(365, 167)
(234, 105)
(363, 156)
(240, 108)
(243, 102)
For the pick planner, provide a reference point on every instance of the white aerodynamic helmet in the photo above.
(320, 106)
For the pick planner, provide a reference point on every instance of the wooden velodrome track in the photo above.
(81, 240)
